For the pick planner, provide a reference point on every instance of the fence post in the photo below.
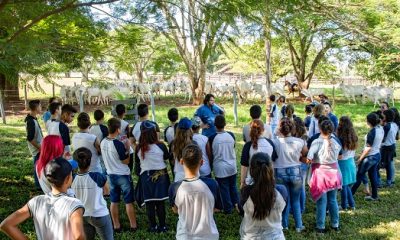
(25, 97)
(235, 116)
(81, 100)
(2, 111)
(153, 110)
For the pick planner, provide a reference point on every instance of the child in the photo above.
(307, 119)
(154, 180)
(116, 158)
(330, 115)
(184, 137)
(169, 132)
(388, 148)
(318, 111)
(99, 129)
(84, 139)
(223, 157)
(326, 177)
(370, 157)
(257, 144)
(55, 111)
(282, 102)
(34, 134)
(195, 199)
(255, 113)
(143, 112)
(348, 138)
(88, 188)
(273, 114)
(47, 114)
(202, 142)
(124, 131)
(262, 202)
(60, 128)
(55, 215)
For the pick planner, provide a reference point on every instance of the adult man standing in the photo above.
(207, 113)
(330, 115)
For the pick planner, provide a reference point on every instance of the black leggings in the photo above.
(156, 206)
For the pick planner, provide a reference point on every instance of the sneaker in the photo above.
(336, 229)
(299, 230)
(369, 198)
(285, 229)
(320, 231)
(153, 229)
(352, 208)
(163, 229)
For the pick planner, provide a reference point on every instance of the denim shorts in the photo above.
(124, 184)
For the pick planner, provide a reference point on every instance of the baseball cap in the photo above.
(196, 121)
(146, 125)
(74, 164)
(185, 123)
(57, 170)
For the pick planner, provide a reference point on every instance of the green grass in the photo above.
(378, 220)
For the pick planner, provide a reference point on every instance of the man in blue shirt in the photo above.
(330, 115)
(207, 113)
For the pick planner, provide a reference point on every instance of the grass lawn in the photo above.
(371, 220)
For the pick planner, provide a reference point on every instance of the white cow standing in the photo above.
(352, 91)
(377, 93)
(244, 89)
(312, 92)
(94, 92)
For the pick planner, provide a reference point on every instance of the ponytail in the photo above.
(256, 130)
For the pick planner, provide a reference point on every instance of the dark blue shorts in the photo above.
(124, 184)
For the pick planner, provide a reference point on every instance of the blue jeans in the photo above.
(303, 196)
(370, 165)
(124, 184)
(35, 158)
(292, 179)
(100, 225)
(347, 199)
(229, 192)
(329, 200)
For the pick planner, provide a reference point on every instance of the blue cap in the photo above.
(74, 164)
(147, 125)
(185, 123)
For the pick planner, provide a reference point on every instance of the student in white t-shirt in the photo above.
(224, 164)
(262, 202)
(88, 187)
(55, 215)
(116, 158)
(55, 111)
(255, 113)
(318, 111)
(169, 132)
(143, 112)
(84, 139)
(202, 142)
(274, 114)
(195, 199)
(124, 131)
(99, 129)
(258, 143)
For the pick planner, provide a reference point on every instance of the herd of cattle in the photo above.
(244, 90)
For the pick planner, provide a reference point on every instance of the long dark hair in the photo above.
(256, 130)
(286, 126)
(183, 137)
(263, 192)
(347, 134)
(299, 130)
(147, 137)
(396, 116)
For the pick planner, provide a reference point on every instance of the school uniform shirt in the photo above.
(334, 120)
(390, 131)
(274, 114)
(87, 140)
(264, 145)
(51, 215)
(56, 127)
(33, 133)
(246, 132)
(135, 132)
(113, 152)
(207, 115)
(169, 133)
(223, 151)
(202, 141)
(179, 172)
(251, 228)
(154, 158)
(307, 121)
(325, 151)
(374, 139)
(88, 188)
(196, 200)
(289, 151)
(313, 129)
(283, 110)
(99, 130)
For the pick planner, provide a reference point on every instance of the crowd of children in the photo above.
(78, 174)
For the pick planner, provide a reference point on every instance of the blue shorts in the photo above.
(122, 183)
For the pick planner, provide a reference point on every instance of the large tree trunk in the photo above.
(268, 72)
(10, 89)
(139, 75)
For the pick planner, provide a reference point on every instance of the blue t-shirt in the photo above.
(207, 115)
(334, 120)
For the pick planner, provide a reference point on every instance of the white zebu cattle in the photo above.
(93, 92)
(377, 93)
(223, 89)
(261, 89)
(63, 93)
(143, 90)
(106, 95)
(351, 91)
(156, 89)
(244, 88)
(168, 87)
(311, 92)
(209, 87)
(77, 90)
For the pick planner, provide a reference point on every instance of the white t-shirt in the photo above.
(51, 215)
(246, 132)
(313, 129)
(154, 158)
(88, 188)
(46, 186)
(202, 140)
(223, 149)
(87, 140)
(324, 151)
(374, 139)
(289, 151)
(113, 152)
(196, 200)
(276, 114)
(169, 134)
(136, 131)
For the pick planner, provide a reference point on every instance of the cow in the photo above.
(377, 93)
(352, 91)
(93, 92)
(311, 92)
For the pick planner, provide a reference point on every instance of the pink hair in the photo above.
(52, 147)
